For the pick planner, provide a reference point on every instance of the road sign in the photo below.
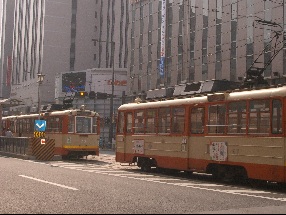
(40, 125)
(38, 134)
(43, 141)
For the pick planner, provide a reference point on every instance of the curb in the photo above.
(28, 157)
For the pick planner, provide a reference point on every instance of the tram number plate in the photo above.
(39, 134)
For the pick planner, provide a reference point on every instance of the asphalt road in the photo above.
(101, 186)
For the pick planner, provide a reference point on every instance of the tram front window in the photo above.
(83, 125)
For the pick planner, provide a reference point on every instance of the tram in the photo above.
(76, 132)
(231, 134)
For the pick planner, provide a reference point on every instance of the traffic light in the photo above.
(81, 94)
(101, 95)
(92, 95)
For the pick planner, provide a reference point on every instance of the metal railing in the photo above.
(15, 145)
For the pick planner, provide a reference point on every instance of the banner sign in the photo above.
(163, 40)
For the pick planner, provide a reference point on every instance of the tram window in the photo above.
(120, 123)
(129, 123)
(151, 116)
(71, 124)
(259, 119)
(24, 125)
(54, 124)
(31, 122)
(197, 120)
(139, 122)
(83, 125)
(94, 127)
(178, 122)
(276, 117)
(164, 120)
(237, 118)
(217, 119)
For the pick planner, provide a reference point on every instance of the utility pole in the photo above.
(40, 81)
(110, 137)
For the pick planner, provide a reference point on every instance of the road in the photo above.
(100, 186)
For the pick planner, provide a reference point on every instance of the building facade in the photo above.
(176, 41)
(7, 24)
(162, 42)
(52, 37)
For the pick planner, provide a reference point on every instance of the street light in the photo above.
(112, 90)
(40, 81)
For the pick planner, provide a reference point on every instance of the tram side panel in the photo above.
(262, 157)
(167, 151)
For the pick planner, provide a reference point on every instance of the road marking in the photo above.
(248, 191)
(114, 171)
(47, 182)
(199, 186)
(131, 174)
(194, 184)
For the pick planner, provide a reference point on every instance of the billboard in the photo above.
(73, 82)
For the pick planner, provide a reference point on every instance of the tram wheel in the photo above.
(255, 183)
(65, 157)
(146, 166)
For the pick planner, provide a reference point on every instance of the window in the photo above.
(151, 121)
(71, 124)
(217, 119)
(237, 118)
(83, 125)
(276, 117)
(197, 120)
(129, 123)
(54, 124)
(259, 119)
(120, 121)
(94, 127)
(164, 120)
(178, 123)
(139, 122)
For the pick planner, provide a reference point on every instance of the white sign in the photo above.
(43, 141)
(138, 147)
(218, 151)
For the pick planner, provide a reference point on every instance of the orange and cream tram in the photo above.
(231, 134)
(76, 132)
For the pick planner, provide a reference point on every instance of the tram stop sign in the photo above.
(40, 125)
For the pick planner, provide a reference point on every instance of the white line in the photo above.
(248, 191)
(194, 184)
(46, 182)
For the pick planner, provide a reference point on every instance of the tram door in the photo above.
(121, 137)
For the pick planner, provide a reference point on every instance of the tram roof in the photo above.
(73, 112)
(6, 103)
(200, 99)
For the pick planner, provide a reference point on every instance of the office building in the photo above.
(173, 41)
(52, 37)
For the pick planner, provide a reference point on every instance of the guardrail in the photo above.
(15, 145)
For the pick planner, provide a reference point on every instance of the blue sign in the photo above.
(162, 67)
(40, 125)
